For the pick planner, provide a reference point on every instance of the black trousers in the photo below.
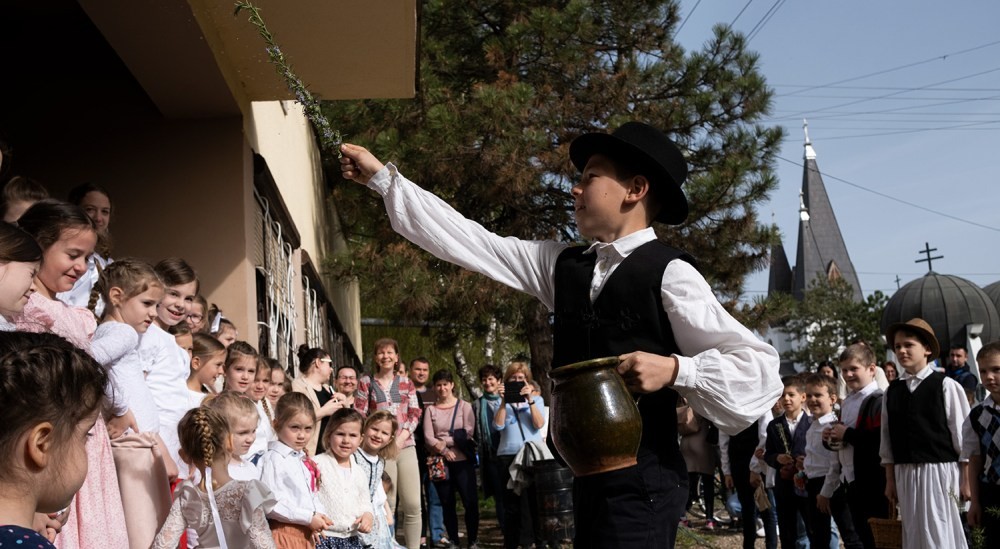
(866, 500)
(819, 522)
(790, 507)
(461, 479)
(989, 497)
(513, 525)
(636, 507)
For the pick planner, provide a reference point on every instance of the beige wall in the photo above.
(280, 133)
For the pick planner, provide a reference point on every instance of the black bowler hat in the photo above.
(649, 152)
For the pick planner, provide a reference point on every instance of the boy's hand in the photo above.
(755, 480)
(823, 504)
(729, 481)
(759, 453)
(974, 515)
(646, 372)
(358, 164)
(835, 432)
(785, 459)
(800, 463)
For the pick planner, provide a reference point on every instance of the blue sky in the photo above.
(892, 139)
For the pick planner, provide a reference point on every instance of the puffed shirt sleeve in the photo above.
(970, 442)
(728, 375)
(431, 223)
(956, 405)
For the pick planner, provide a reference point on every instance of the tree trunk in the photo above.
(539, 336)
(466, 373)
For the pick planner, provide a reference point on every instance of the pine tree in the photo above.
(504, 86)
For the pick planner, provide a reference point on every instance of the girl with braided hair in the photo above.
(223, 512)
(52, 395)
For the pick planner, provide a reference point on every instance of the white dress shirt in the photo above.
(956, 406)
(970, 440)
(849, 410)
(167, 367)
(727, 374)
(819, 460)
(284, 471)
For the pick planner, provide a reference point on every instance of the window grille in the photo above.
(276, 273)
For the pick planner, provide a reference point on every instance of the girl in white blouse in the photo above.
(344, 490)
(294, 478)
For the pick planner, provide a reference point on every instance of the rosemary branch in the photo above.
(329, 138)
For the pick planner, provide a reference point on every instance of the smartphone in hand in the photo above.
(512, 392)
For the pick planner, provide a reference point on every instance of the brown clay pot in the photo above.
(593, 420)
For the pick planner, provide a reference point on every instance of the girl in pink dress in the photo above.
(67, 237)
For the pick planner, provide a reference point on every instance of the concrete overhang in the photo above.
(196, 59)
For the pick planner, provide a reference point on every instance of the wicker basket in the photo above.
(888, 533)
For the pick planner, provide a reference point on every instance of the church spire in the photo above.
(810, 153)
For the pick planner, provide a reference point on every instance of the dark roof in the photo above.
(948, 303)
(780, 278)
(993, 290)
(821, 246)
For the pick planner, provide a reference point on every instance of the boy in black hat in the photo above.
(628, 294)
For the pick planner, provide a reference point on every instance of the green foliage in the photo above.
(504, 87)
(828, 319)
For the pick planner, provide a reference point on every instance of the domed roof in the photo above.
(993, 290)
(948, 303)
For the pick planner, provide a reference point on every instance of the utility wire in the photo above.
(893, 198)
(901, 67)
(883, 88)
(686, 17)
(833, 115)
(733, 22)
(765, 20)
(921, 130)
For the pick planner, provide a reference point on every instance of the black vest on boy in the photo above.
(918, 422)
(627, 316)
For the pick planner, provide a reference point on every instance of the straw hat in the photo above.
(918, 326)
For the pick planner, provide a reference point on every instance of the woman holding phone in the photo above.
(519, 422)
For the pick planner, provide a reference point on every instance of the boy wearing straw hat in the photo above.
(627, 295)
(922, 418)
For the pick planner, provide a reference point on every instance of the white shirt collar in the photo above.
(921, 375)
(990, 403)
(797, 418)
(865, 391)
(626, 244)
(284, 449)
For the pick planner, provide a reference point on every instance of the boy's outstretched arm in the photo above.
(358, 164)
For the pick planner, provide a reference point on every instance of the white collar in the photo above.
(626, 244)
(988, 402)
(284, 450)
(921, 375)
(865, 391)
(797, 419)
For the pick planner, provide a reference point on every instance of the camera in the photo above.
(512, 392)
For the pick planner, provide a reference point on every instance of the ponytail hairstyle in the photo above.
(291, 405)
(204, 345)
(232, 406)
(131, 275)
(19, 189)
(860, 351)
(17, 245)
(47, 219)
(76, 196)
(390, 450)
(266, 364)
(239, 350)
(307, 355)
(174, 271)
(44, 378)
(204, 437)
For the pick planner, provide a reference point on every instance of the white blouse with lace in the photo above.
(242, 506)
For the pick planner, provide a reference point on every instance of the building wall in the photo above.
(280, 133)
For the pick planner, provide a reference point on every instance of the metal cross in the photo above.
(927, 251)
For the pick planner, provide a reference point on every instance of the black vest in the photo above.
(627, 316)
(918, 423)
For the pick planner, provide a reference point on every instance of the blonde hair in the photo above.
(203, 436)
(518, 366)
(238, 350)
(859, 351)
(390, 450)
(232, 406)
(133, 276)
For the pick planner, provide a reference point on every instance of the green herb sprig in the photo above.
(329, 138)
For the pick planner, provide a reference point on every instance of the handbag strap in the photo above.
(517, 418)
(451, 430)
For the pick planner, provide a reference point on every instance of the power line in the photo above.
(899, 132)
(733, 22)
(764, 20)
(883, 88)
(901, 67)
(686, 17)
(893, 198)
(835, 114)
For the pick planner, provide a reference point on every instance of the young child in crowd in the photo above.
(242, 362)
(858, 433)
(344, 490)
(378, 445)
(222, 511)
(241, 417)
(95, 201)
(823, 486)
(921, 441)
(289, 472)
(221, 327)
(258, 395)
(196, 319)
(208, 364)
(20, 258)
(276, 388)
(183, 337)
(981, 446)
(67, 236)
(19, 194)
(389, 519)
(784, 449)
(167, 366)
(52, 394)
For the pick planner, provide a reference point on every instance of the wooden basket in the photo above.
(888, 533)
